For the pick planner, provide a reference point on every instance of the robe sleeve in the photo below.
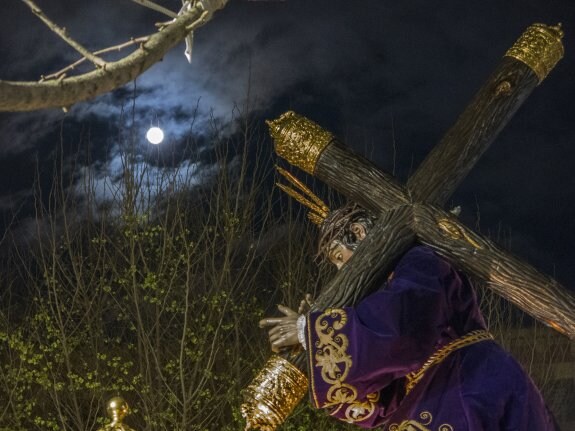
(359, 356)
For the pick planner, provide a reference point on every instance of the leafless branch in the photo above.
(62, 72)
(66, 91)
(60, 31)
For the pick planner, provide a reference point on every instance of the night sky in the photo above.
(387, 77)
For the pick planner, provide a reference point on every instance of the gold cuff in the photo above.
(275, 391)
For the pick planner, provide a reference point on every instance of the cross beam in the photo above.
(413, 211)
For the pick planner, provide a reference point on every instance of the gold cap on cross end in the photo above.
(299, 140)
(540, 48)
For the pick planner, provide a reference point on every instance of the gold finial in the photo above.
(299, 140)
(540, 48)
(318, 209)
(117, 409)
(275, 391)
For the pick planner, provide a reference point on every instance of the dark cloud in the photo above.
(22, 132)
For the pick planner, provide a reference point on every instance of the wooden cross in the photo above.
(412, 212)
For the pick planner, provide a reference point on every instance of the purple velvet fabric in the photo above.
(359, 357)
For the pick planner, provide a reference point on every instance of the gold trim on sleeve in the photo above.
(335, 363)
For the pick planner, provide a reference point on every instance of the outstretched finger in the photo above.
(270, 321)
(287, 311)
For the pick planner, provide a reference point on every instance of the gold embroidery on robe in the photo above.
(334, 362)
(413, 425)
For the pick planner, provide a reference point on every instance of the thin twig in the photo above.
(62, 72)
(158, 8)
(98, 62)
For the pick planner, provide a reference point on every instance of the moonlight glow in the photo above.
(155, 135)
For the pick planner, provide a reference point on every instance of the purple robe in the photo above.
(359, 359)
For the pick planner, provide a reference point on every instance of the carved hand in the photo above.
(283, 332)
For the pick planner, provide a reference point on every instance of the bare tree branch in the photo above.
(98, 62)
(60, 74)
(66, 91)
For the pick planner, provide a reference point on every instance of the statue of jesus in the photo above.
(413, 355)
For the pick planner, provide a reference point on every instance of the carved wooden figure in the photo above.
(412, 212)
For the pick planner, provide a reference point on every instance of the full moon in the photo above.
(155, 135)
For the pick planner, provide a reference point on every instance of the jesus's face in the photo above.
(338, 253)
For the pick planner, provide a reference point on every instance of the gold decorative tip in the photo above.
(275, 391)
(315, 219)
(117, 409)
(556, 326)
(455, 232)
(318, 210)
(540, 48)
(318, 213)
(299, 140)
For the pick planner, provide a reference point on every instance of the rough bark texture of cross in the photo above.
(412, 212)
(434, 182)
(451, 160)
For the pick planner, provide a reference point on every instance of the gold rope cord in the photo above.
(471, 338)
